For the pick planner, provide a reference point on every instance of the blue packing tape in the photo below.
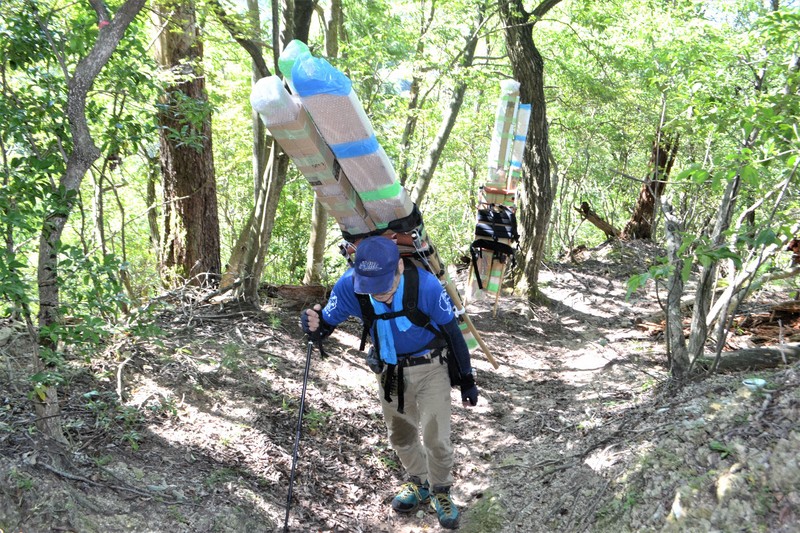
(356, 148)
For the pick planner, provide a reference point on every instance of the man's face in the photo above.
(386, 297)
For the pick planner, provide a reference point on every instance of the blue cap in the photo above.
(375, 265)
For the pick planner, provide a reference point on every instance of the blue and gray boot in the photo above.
(444, 507)
(411, 495)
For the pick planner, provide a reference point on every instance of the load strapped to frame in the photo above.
(496, 236)
(323, 128)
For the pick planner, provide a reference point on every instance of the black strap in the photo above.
(394, 372)
(401, 403)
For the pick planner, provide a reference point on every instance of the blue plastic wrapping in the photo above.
(314, 75)
(356, 148)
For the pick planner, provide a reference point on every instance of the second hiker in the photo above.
(419, 353)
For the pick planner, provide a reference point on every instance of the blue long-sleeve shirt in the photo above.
(432, 300)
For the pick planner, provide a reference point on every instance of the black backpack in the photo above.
(493, 225)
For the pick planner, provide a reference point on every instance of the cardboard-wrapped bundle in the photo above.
(518, 146)
(493, 249)
(329, 137)
(503, 134)
(328, 96)
(291, 126)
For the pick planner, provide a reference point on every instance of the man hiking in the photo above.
(419, 352)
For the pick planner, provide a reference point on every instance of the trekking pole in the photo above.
(297, 435)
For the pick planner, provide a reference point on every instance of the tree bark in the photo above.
(663, 153)
(247, 258)
(83, 154)
(588, 213)
(153, 178)
(191, 224)
(315, 250)
(333, 23)
(301, 22)
(412, 111)
(678, 355)
(259, 71)
(535, 197)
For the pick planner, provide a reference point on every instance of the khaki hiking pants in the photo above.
(427, 410)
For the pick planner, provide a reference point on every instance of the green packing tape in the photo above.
(384, 193)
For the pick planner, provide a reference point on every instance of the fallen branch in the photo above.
(82, 479)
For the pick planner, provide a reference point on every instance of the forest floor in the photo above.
(578, 429)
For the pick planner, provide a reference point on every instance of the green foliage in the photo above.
(20, 480)
(220, 476)
(723, 449)
(286, 259)
(122, 421)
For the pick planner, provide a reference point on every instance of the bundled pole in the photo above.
(310, 348)
(329, 97)
(492, 251)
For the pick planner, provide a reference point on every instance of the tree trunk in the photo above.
(247, 258)
(678, 355)
(191, 225)
(315, 250)
(301, 22)
(408, 131)
(414, 104)
(98, 215)
(260, 150)
(333, 23)
(640, 226)
(587, 213)
(535, 196)
(264, 222)
(449, 118)
(84, 153)
(153, 175)
(705, 282)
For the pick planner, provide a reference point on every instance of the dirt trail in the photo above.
(576, 431)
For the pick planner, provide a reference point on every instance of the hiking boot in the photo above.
(411, 495)
(444, 507)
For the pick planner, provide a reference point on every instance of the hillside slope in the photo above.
(578, 430)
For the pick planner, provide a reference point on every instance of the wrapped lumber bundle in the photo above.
(492, 251)
(518, 146)
(290, 125)
(503, 133)
(329, 97)
(325, 131)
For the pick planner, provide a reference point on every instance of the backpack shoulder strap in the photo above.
(411, 297)
(410, 308)
(367, 317)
